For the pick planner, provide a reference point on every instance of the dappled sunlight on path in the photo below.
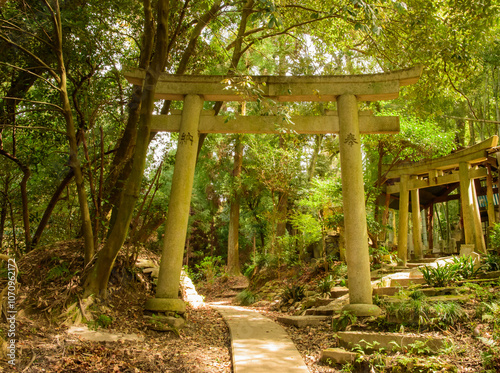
(258, 344)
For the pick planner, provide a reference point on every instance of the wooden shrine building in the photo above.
(468, 175)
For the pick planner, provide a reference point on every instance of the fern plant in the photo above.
(294, 293)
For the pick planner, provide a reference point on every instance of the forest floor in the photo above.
(467, 352)
(49, 282)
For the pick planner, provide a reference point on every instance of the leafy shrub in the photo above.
(465, 267)
(491, 314)
(447, 313)
(441, 276)
(210, 267)
(343, 320)
(495, 238)
(103, 321)
(325, 285)
(491, 262)
(246, 298)
(294, 293)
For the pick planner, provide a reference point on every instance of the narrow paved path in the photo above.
(258, 344)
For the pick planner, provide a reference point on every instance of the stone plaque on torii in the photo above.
(348, 122)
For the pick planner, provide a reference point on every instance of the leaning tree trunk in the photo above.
(71, 134)
(97, 279)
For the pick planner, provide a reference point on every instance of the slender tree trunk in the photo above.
(24, 195)
(50, 208)
(233, 262)
(317, 147)
(72, 138)
(97, 280)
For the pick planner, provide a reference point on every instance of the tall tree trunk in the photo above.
(97, 279)
(233, 262)
(72, 137)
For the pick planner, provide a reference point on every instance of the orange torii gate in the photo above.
(348, 122)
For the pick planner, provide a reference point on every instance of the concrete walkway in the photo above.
(258, 344)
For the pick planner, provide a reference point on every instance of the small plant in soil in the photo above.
(343, 320)
(103, 321)
(325, 286)
(246, 298)
(465, 267)
(292, 294)
(441, 275)
(491, 262)
(447, 313)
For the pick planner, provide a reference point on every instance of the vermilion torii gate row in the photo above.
(348, 122)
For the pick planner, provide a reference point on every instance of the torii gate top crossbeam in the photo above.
(368, 87)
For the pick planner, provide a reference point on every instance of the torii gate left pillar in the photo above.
(349, 123)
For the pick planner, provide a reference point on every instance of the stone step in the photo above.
(337, 356)
(388, 291)
(438, 298)
(402, 282)
(330, 309)
(322, 302)
(429, 292)
(239, 287)
(375, 341)
(228, 294)
(338, 291)
(303, 321)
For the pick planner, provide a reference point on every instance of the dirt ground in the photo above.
(49, 283)
(44, 345)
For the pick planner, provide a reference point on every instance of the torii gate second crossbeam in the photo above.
(348, 122)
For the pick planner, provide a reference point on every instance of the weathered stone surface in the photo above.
(337, 356)
(145, 263)
(85, 333)
(169, 321)
(350, 339)
(406, 281)
(487, 275)
(331, 308)
(153, 271)
(303, 321)
(439, 298)
(390, 290)
(259, 345)
(338, 291)
(228, 294)
(362, 309)
(322, 302)
(165, 305)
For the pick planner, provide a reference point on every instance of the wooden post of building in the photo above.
(430, 227)
(385, 218)
(489, 197)
(417, 223)
(404, 201)
(478, 226)
(178, 211)
(466, 199)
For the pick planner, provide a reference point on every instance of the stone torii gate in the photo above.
(348, 122)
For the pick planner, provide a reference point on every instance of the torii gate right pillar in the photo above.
(356, 233)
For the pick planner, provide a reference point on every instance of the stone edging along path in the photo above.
(258, 344)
